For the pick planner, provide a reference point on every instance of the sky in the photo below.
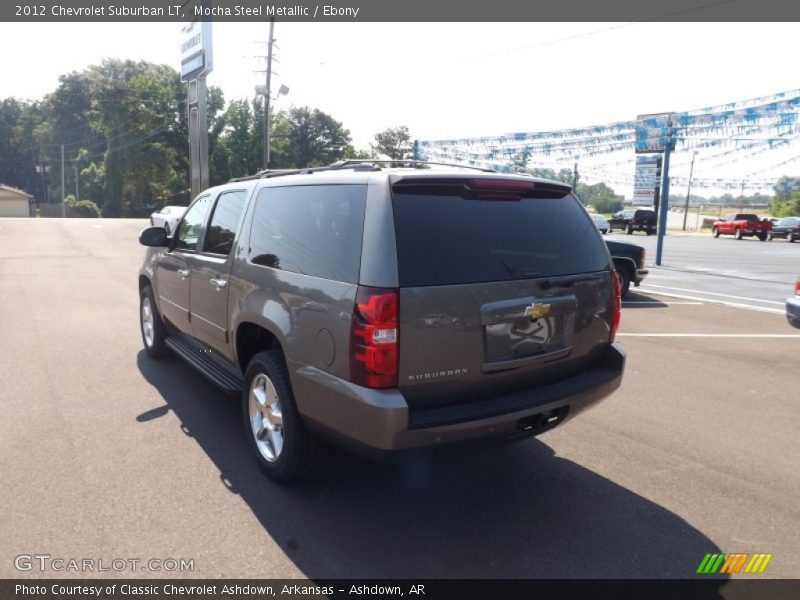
(447, 80)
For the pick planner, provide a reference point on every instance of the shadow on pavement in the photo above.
(640, 300)
(513, 511)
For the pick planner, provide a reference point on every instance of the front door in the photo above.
(210, 272)
(173, 270)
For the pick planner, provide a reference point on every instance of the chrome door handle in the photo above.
(219, 283)
(184, 273)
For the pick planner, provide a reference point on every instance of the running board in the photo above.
(203, 359)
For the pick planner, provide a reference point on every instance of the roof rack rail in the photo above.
(344, 164)
(365, 163)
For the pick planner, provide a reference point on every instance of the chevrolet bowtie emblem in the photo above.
(536, 311)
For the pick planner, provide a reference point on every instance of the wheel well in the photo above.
(143, 281)
(626, 264)
(250, 340)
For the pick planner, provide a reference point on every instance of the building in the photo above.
(14, 202)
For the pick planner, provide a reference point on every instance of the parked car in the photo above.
(633, 220)
(786, 228)
(600, 222)
(342, 304)
(629, 263)
(167, 217)
(793, 306)
(741, 225)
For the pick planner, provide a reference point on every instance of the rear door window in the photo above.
(445, 239)
(311, 229)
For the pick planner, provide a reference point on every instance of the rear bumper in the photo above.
(793, 312)
(379, 421)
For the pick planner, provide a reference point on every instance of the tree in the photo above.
(315, 138)
(786, 201)
(393, 143)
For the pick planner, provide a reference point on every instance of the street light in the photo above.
(688, 190)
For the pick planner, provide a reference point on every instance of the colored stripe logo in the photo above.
(736, 562)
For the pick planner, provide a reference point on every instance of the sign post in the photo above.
(196, 64)
(655, 135)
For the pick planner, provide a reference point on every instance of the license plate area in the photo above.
(526, 328)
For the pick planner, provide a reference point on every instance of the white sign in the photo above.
(196, 50)
(645, 180)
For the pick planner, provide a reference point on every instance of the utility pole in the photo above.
(688, 189)
(268, 93)
(63, 198)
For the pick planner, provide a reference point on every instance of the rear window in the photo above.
(310, 229)
(448, 239)
(746, 217)
(645, 213)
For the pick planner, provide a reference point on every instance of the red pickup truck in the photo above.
(741, 225)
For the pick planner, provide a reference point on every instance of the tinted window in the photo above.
(315, 230)
(192, 224)
(644, 214)
(746, 217)
(224, 222)
(788, 222)
(447, 239)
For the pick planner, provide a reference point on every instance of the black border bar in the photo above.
(401, 10)
(426, 589)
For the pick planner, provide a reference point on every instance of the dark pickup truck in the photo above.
(629, 263)
(633, 220)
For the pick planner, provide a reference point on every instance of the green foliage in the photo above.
(600, 196)
(350, 153)
(315, 138)
(786, 201)
(87, 208)
(394, 142)
(70, 201)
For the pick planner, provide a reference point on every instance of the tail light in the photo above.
(796, 229)
(617, 308)
(797, 288)
(633, 221)
(373, 338)
(641, 259)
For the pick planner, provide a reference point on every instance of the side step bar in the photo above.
(224, 378)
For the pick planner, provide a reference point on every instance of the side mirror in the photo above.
(155, 237)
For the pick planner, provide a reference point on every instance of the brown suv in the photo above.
(386, 308)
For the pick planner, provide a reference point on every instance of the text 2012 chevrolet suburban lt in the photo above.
(386, 308)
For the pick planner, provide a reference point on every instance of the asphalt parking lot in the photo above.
(107, 454)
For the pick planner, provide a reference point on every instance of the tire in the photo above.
(630, 230)
(282, 444)
(624, 279)
(769, 237)
(762, 237)
(790, 237)
(715, 232)
(738, 234)
(151, 326)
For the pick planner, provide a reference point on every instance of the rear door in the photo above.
(210, 272)
(500, 288)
